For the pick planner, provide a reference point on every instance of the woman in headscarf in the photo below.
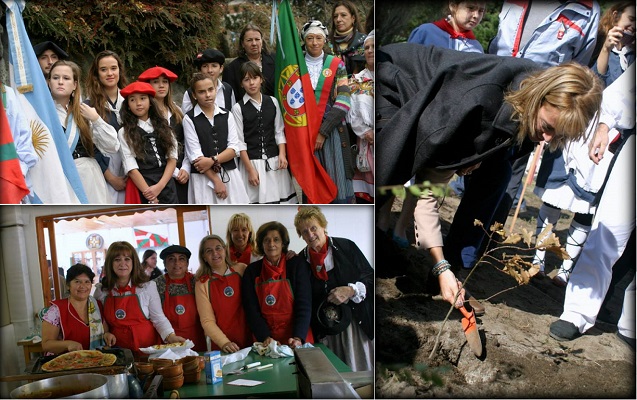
(329, 81)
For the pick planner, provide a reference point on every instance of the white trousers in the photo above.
(612, 226)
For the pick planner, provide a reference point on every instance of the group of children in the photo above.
(152, 151)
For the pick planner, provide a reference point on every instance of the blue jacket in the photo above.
(568, 33)
(430, 34)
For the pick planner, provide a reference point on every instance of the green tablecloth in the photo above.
(280, 380)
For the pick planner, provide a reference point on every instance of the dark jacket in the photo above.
(442, 108)
(350, 266)
(297, 272)
(232, 75)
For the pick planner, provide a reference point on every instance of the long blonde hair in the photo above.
(74, 105)
(573, 89)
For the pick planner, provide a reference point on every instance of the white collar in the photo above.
(145, 125)
(247, 98)
(198, 111)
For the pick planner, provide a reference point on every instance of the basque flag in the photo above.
(146, 239)
(300, 113)
(12, 184)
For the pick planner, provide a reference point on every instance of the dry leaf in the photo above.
(559, 251)
(497, 226)
(528, 236)
(513, 239)
(520, 270)
(477, 222)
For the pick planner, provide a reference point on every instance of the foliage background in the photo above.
(169, 33)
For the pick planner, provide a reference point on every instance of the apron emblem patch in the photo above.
(180, 309)
(270, 300)
(228, 291)
(120, 314)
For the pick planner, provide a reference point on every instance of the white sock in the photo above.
(547, 215)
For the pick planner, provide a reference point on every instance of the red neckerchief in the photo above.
(274, 272)
(317, 262)
(242, 257)
(204, 278)
(122, 291)
(446, 26)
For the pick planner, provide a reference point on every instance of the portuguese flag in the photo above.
(300, 113)
(12, 185)
(146, 239)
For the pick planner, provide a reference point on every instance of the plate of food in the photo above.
(159, 348)
(79, 359)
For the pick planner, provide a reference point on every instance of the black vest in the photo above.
(258, 128)
(212, 139)
(154, 156)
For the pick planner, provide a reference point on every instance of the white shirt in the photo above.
(193, 147)
(149, 302)
(220, 100)
(128, 157)
(314, 67)
(279, 135)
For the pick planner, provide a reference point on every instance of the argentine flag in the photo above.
(55, 178)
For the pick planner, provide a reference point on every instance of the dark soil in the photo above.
(519, 359)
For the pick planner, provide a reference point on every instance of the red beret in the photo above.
(138, 87)
(156, 72)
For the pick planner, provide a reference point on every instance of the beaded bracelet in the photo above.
(440, 267)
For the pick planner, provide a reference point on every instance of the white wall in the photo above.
(352, 222)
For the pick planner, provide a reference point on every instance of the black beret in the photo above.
(40, 47)
(333, 318)
(175, 248)
(209, 56)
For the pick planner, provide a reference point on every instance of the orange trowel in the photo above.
(470, 328)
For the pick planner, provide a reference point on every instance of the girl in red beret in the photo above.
(160, 79)
(212, 145)
(264, 165)
(106, 77)
(148, 147)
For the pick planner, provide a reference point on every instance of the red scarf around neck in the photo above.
(274, 272)
(317, 262)
(242, 257)
(447, 27)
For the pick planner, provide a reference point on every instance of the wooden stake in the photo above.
(529, 178)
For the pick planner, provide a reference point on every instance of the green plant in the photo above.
(144, 33)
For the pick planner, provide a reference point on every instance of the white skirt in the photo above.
(116, 167)
(199, 192)
(564, 199)
(93, 181)
(275, 186)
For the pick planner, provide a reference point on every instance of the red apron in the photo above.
(181, 311)
(127, 322)
(225, 297)
(276, 301)
(72, 326)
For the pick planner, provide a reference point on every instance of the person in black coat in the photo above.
(251, 48)
(450, 112)
(342, 291)
(276, 292)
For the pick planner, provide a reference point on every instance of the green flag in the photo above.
(294, 91)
